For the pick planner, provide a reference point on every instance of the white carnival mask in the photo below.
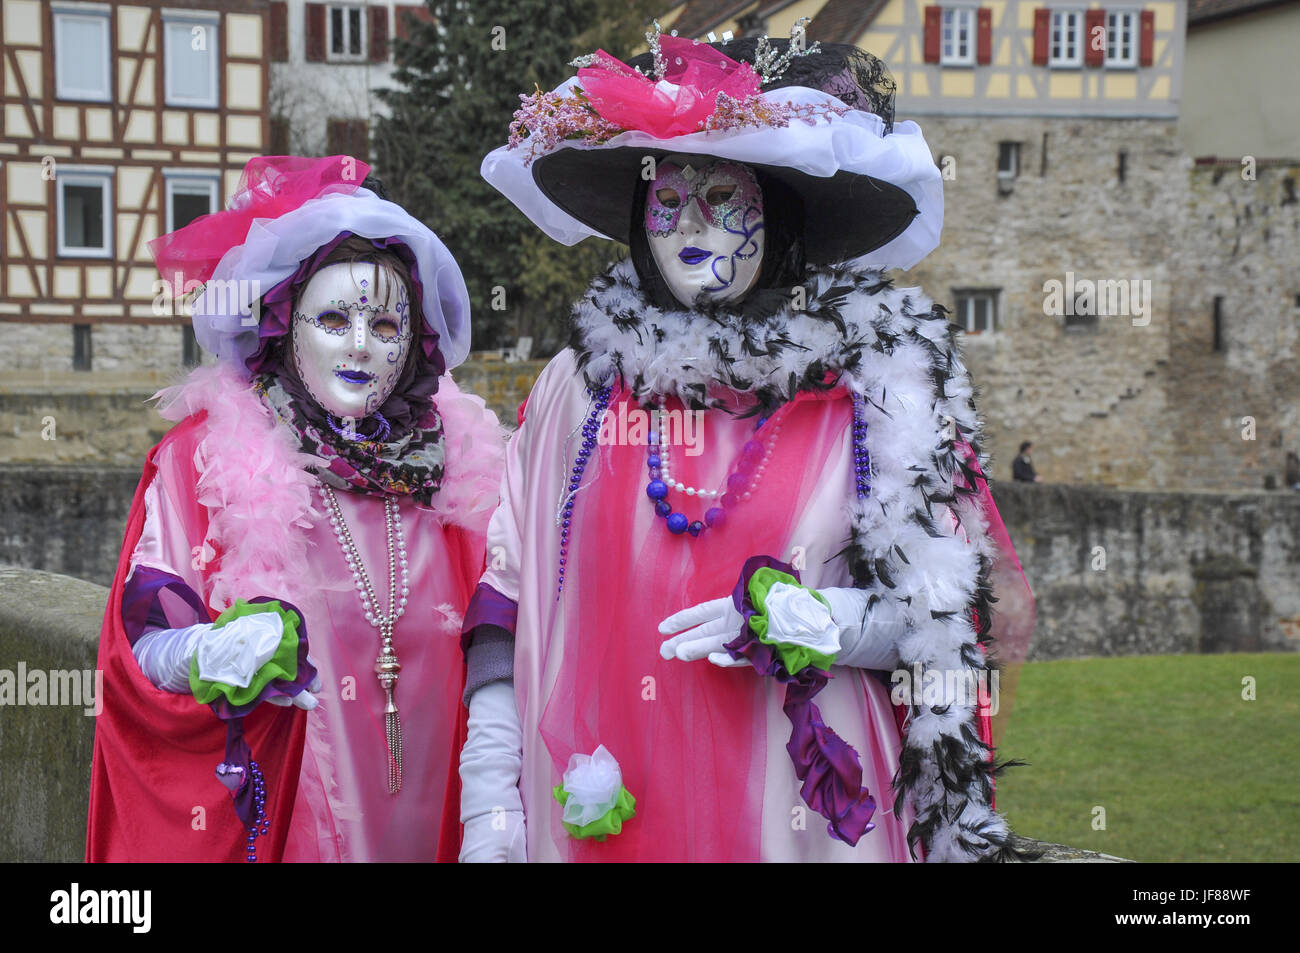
(705, 229)
(350, 347)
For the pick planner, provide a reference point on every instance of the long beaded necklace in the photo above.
(598, 398)
(387, 666)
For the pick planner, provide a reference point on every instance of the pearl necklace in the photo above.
(387, 666)
(736, 488)
(749, 452)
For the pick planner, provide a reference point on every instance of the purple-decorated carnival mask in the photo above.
(705, 228)
(349, 344)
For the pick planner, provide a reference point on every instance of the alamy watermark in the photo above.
(672, 428)
(1105, 297)
(57, 687)
(217, 297)
(932, 687)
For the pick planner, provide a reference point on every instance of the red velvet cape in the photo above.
(154, 794)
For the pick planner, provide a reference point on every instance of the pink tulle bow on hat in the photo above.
(269, 187)
(676, 105)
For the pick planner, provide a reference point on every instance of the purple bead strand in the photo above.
(861, 456)
(261, 824)
(590, 436)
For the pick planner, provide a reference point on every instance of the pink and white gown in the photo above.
(702, 749)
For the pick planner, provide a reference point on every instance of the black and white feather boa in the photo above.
(895, 348)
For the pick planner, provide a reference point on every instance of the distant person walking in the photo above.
(1292, 479)
(1022, 469)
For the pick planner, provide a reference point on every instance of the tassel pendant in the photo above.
(387, 668)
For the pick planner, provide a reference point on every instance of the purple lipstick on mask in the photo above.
(355, 377)
(693, 256)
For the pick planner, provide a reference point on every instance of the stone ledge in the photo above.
(1060, 854)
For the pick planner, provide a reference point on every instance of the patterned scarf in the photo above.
(410, 465)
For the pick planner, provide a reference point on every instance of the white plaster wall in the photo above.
(309, 94)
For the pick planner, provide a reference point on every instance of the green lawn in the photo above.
(1185, 768)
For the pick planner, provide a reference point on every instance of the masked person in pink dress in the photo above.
(283, 628)
(745, 496)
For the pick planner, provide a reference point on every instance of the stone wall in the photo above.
(1119, 572)
(1086, 397)
(66, 519)
(133, 348)
(103, 417)
(1235, 412)
(48, 624)
(1134, 400)
(1114, 572)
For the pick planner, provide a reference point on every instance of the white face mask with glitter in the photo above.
(705, 229)
(349, 346)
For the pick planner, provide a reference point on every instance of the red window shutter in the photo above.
(348, 137)
(279, 144)
(378, 34)
(1042, 29)
(315, 52)
(933, 32)
(406, 15)
(1094, 20)
(279, 31)
(1146, 50)
(984, 36)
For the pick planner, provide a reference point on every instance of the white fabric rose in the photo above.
(593, 783)
(796, 617)
(233, 653)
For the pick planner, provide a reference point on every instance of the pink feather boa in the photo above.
(254, 481)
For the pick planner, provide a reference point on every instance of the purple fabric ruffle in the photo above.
(142, 605)
(828, 766)
(488, 607)
(142, 611)
(238, 754)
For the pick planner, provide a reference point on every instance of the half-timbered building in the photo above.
(122, 121)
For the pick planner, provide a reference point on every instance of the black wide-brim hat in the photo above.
(846, 215)
(871, 190)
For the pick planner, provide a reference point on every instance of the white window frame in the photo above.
(101, 15)
(1057, 23)
(190, 183)
(952, 17)
(85, 175)
(345, 57)
(966, 319)
(1134, 21)
(192, 19)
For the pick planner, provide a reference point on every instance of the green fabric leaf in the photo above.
(609, 823)
(283, 664)
(795, 658)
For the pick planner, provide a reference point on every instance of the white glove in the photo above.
(709, 626)
(230, 654)
(866, 638)
(490, 806)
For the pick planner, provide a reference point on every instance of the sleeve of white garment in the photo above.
(489, 653)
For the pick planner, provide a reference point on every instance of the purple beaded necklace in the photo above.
(599, 399)
(861, 456)
(738, 483)
(753, 458)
